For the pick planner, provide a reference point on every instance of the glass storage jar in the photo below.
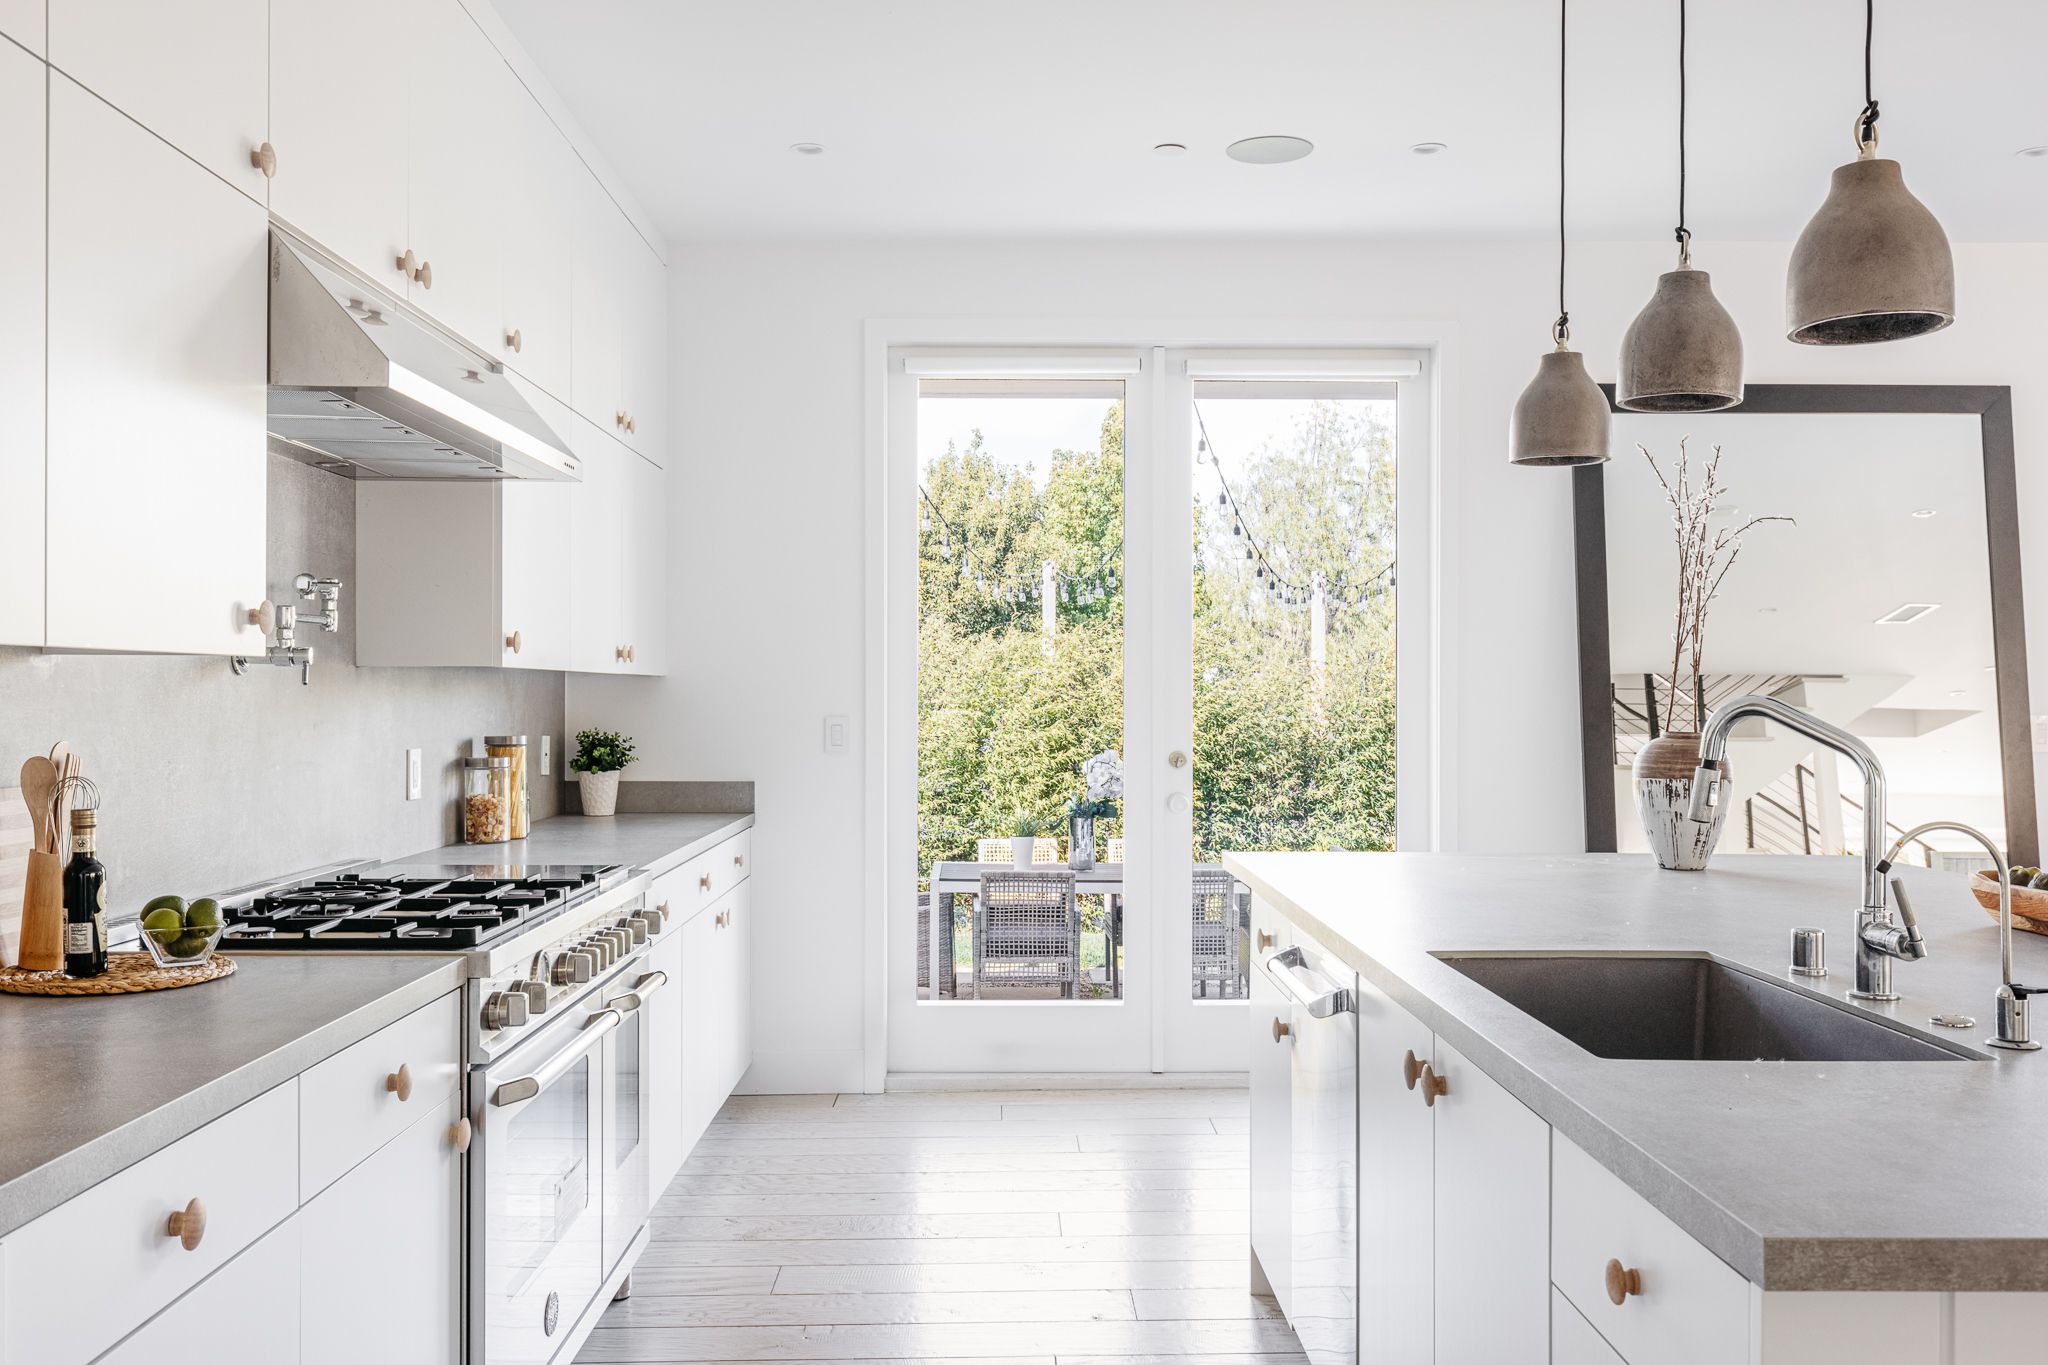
(486, 800)
(513, 748)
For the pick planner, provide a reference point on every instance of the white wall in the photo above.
(766, 562)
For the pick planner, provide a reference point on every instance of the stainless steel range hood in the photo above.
(363, 386)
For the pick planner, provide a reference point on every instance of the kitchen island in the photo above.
(1912, 1179)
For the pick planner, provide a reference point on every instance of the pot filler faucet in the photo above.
(1879, 938)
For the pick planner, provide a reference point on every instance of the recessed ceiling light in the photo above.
(807, 148)
(1959, 692)
(1430, 148)
(1269, 150)
(1170, 149)
(1906, 612)
(1766, 611)
(1923, 513)
(2033, 153)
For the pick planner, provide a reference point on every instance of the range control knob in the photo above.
(505, 1009)
(637, 926)
(600, 949)
(536, 993)
(571, 969)
(622, 939)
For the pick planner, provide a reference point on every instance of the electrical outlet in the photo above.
(547, 754)
(412, 774)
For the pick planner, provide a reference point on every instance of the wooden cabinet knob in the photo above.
(459, 1133)
(399, 1083)
(259, 615)
(188, 1225)
(1265, 940)
(515, 341)
(619, 419)
(1411, 1069)
(409, 265)
(704, 882)
(619, 653)
(264, 158)
(629, 654)
(1622, 1282)
(1433, 1085)
(513, 641)
(632, 424)
(738, 861)
(1280, 1029)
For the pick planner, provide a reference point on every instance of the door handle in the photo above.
(1319, 1004)
(524, 1088)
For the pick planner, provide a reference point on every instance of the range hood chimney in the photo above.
(363, 386)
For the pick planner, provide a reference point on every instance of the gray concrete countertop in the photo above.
(656, 842)
(96, 1083)
(1803, 1176)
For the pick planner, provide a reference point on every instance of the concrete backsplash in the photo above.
(209, 781)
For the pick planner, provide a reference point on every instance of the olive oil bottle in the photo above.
(85, 900)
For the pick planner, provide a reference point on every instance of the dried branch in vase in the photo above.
(1705, 556)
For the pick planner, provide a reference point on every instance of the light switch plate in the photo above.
(837, 734)
(547, 754)
(412, 774)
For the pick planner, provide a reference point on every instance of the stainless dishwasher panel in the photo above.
(1323, 1165)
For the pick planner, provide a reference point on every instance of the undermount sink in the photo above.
(1687, 1007)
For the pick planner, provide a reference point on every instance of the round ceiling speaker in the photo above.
(1270, 150)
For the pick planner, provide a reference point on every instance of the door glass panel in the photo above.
(626, 1084)
(1294, 577)
(540, 1179)
(1020, 506)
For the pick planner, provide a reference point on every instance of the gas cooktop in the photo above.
(408, 908)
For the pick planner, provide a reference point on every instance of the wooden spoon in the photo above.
(39, 791)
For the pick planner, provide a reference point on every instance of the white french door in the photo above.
(1185, 556)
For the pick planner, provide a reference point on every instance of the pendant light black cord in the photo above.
(1867, 124)
(1684, 237)
(1564, 319)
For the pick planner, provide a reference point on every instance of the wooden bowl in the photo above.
(2029, 907)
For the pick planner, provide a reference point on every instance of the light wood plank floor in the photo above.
(998, 1227)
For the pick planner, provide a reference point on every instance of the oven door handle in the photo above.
(523, 1088)
(635, 998)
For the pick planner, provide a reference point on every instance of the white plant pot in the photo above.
(1020, 851)
(600, 792)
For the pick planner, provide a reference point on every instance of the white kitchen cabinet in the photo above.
(600, 242)
(737, 1022)
(666, 1146)
(198, 76)
(157, 371)
(1573, 1340)
(703, 1065)
(537, 233)
(598, 523)
(384, 1278)
(1271, 1201)
(339, 81)
(246, 1313)
(645, 378)
(356, 1101)
(1396, 1185)
(643, 569)
(462, 95)
(22, 94)
(27, 23)
(1492, 1252)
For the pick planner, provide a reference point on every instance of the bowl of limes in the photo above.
(181, 935)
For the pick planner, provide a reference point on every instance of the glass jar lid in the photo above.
(498, 762)
(505, 741)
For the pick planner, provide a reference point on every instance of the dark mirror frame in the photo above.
(1992, 406)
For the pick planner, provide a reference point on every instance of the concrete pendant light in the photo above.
(1683, 352)
(1874, 264)
(1562, 418)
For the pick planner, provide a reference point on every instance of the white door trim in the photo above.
(1424, 698)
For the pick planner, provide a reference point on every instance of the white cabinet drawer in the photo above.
(706, 877)
(1271, 1060)
(247, 1313)
(1692, 1308)
(1573, 1340)
(86, 1272)
(1270, 933)
(352, 1104)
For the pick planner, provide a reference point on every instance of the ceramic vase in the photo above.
(1664, 771)
(1081, 842)
(600, 792)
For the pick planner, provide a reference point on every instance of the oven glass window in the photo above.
(540, 1177)
(626, 1119)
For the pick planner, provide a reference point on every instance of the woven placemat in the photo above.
(126, 974)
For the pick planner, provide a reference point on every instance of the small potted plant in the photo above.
(600, 756)
(1024, 832)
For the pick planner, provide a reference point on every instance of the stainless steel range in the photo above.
(555, 983)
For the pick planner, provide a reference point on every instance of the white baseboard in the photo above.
(1047, 1080)
(830, 1071)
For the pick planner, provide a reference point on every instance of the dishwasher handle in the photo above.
(1320, 1004)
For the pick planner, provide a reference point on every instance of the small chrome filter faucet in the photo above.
(2013, 1032)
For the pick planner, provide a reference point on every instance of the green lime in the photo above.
(204, 914)
(176, 903)
(188, 945)
(163, 922)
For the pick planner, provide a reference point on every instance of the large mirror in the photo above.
(1876, 586)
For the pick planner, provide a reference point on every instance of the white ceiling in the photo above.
(1037, 117)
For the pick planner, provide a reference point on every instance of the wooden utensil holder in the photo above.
(42, 914)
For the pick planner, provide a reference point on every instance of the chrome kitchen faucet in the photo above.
(2014, 1033)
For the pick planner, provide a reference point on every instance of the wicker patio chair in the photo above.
(1216, 932)
(1113, 849)
(998, 851)
(1027, 932)
(924, 939)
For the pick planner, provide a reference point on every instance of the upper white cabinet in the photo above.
(602, 242)
(645, 380)
(26, 22)
(537, 234)
(338, 121)
(195, 74)
(597, 507)
(21, 343)
(462, 98)
(644, 571)
(155, 459)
